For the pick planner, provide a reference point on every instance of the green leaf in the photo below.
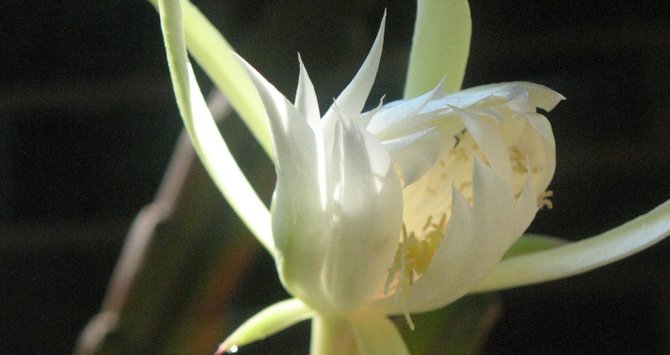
(440, 46)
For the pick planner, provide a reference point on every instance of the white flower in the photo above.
(407, 207)
(398, 210)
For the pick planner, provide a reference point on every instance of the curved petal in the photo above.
(526, 97)
(414, 154)
(367, 212)
(476, 239)
(396, 119)
(269, 321)
(305, 98)
(488, 138)
(300, 219)
(581, 256)
(378, 335)
(352, 99)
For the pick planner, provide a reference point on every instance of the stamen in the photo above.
(518, 160)
(459, 136)
(412, 259)
(427, 224)
(544, 201)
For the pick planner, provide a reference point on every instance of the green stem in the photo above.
(331, 336)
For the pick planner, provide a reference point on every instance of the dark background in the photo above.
(88, 122)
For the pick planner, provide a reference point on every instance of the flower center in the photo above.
(413, 257)
(414, 253)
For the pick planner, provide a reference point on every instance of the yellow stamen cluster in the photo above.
(414, 254)
(413, 257)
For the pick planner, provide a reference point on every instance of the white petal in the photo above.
(367, 216)
(526, 96)
(582, 256)
(415, 154)
(299, 217)
(376, 335)
(351, 101)
(475, 241)
(540, 147)
(492, 233)
(397, 118)
(488, 137)
(305, 98)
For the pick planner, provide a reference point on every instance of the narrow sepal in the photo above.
(269, 321)
(204, 134)
(582, 256)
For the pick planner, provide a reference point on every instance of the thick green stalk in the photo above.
(440, 46)
(331, 336)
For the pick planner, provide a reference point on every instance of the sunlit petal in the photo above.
(299, 216)
(367, 210)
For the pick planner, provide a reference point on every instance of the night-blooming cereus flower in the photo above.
(401, 209)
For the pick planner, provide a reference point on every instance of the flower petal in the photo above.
(378, 335)
(524, 95)
(269, 321)
(489, 140)
(396, 119)
(300, 219)
(581, 256)
(305, 98)
(464, 259)
(415, 154)
(476, 238)
(352, 99)
(367, 216)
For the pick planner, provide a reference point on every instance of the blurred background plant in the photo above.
(89, 123)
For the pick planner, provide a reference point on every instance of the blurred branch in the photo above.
(177, 268)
